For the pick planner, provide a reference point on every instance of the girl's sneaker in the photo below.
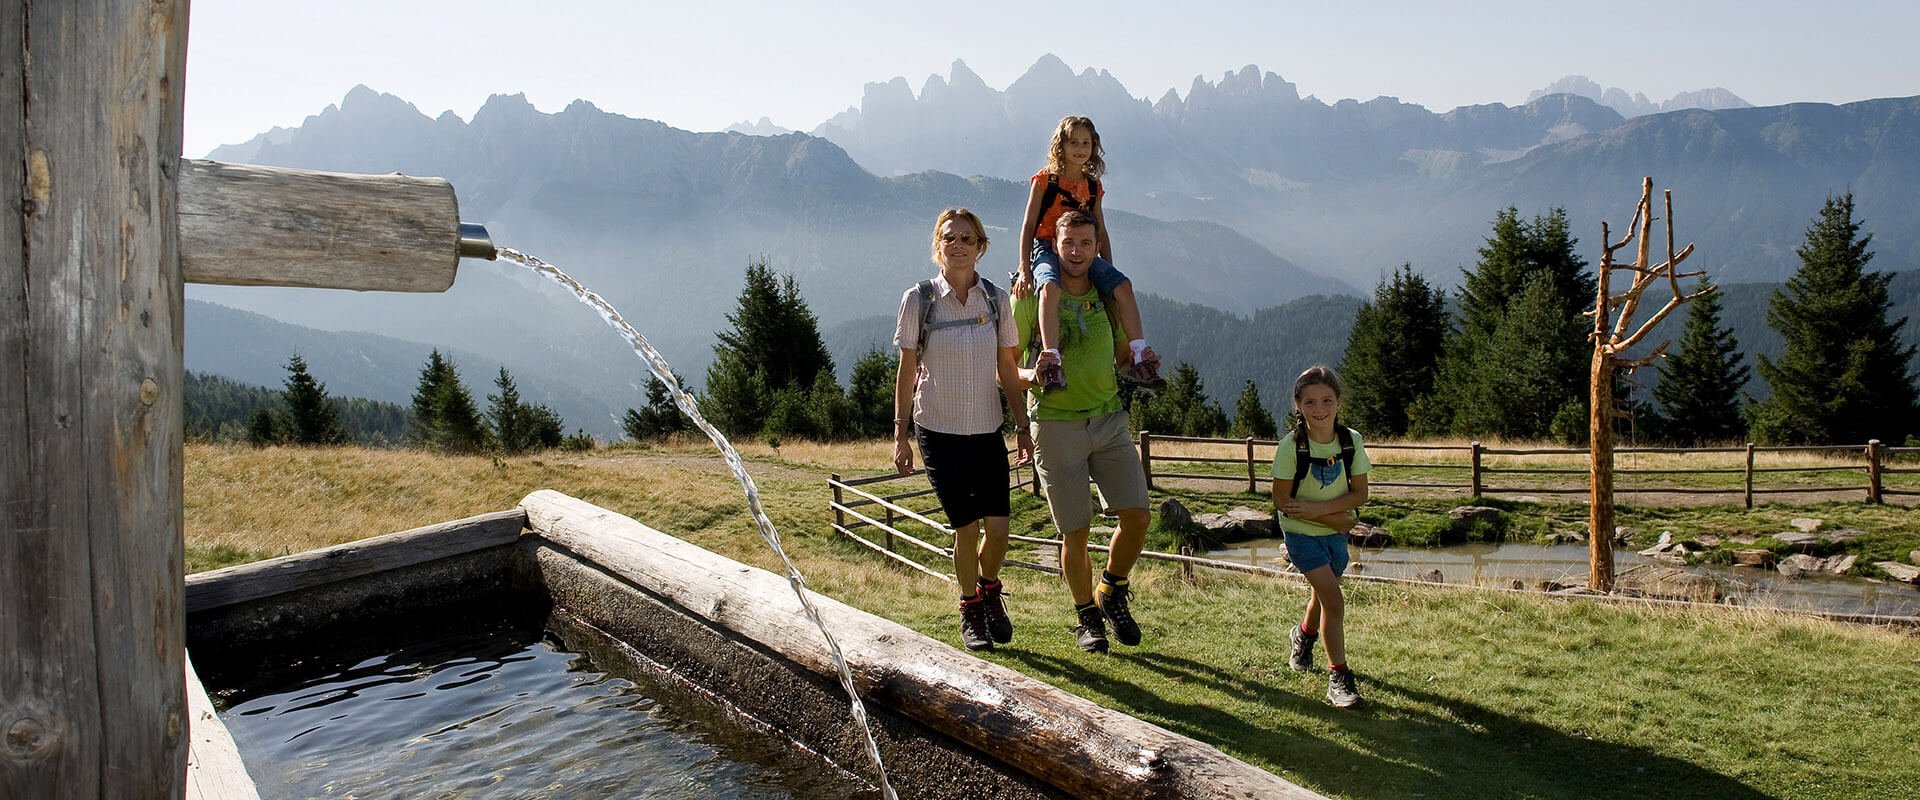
(1047, 370)
(1302, 658)
(1341, 691)
(998, 624)
(1144, 374)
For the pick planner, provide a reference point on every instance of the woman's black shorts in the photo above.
(968, 473)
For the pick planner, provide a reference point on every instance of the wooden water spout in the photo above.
(101, 223)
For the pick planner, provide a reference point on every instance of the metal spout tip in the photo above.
(476, 243)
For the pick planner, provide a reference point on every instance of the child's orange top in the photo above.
(1074, 193)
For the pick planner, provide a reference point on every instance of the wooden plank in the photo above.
(214, 768)
(93, 703)
(1080, 747)
(261, 579)
(273, 226)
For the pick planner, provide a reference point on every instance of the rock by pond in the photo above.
(1667, 583)
(1471, 514)
(1900, 572)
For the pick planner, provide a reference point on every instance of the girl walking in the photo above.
(1319, 478)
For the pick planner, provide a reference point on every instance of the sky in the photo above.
(256, 64)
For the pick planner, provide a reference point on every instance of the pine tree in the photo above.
(1844, 377)
(871, 390)
(659, 418)
(444, 415)
(1182, 408)
(774, 346)
(1519, 257)
(1700, 383)
(263, 427)
(1393, 353)
(1251, 417)
(312, 418)
(512, 429)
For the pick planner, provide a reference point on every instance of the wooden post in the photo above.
(1146, 457)
(1873, 470)
(1474, 482)
(839, 517)
(1749, 475)
(93, 688)
(1253, 482)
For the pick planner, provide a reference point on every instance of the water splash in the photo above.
(664, 372)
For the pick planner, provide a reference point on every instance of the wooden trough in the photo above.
(948, 724)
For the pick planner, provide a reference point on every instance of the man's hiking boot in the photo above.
(973, 624)
(1112, 601)
(1340, 689)
(998, 625)
(1092, 630)
(1144, 375)
(1048, 371)
(1302, 658)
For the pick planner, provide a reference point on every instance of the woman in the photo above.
(956, 339)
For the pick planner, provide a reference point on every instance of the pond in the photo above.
(1501, 564)
(494, 706)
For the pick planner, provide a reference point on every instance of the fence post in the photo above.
(1146, 457)
(1873, 470)
(1476, 469)
(839, 517)
(1749, 476)
(1253, 484)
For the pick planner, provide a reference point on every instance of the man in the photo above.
(1080, 433)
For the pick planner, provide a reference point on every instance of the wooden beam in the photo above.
(92, 676)
(1069, 742)
(214, 768)
(273, 226)
(239, 584)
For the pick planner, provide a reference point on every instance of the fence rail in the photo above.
(1876, 461)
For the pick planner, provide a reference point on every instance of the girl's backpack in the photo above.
(1303, 459)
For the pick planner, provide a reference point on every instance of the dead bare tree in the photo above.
(1610, 343)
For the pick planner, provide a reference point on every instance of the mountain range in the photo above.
(1241, 196)
(1637, 104)
(1351, 189)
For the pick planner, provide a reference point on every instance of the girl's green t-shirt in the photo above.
(1326, 478)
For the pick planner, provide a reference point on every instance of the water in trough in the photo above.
(493, 704)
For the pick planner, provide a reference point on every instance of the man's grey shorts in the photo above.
(1069, 452)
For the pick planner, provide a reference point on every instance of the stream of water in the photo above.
(664, 372)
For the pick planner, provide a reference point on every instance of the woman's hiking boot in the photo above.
(1112, 600)
(1302, 658)
(1341, 691)
(1049, 373)
(1092, 630)
(973, 623)
(998, 625)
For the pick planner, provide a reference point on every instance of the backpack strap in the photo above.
(929, 294)
(1046, 202)
(1303, 458)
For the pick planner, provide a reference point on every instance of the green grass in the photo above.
(1470, 694)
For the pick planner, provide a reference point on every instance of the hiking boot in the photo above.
(973, 624)
(1340, 689)
(1143, 374)
(998, 626)
(1302, 658)
(1112, 601)
(1048, 372)
(1092, 630)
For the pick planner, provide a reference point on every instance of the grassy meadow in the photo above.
(1470, 694)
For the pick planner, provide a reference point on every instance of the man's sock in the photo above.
(1340, 667)
(1308, 631)
(1111, 579)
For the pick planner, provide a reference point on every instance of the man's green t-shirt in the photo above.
(1326, 478)
(1086, 354)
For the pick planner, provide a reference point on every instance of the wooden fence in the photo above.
(1876, 463)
